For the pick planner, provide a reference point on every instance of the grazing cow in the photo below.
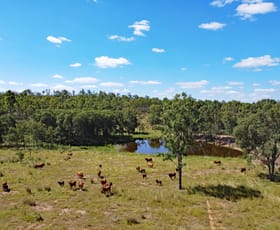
(39, 165)
(218, 162)
(5, 187)
(99, 174)
(149, 159)
(72, 184)
(107, 189)
(70, 154)
(150, 164)
(100, 166)
(61, 183)
(172, 176)
(142, 171)
(159, 182)
(243, 170)
(138, 168)
(144, 175)
(103, 180)
(81, 184)
(80, 174)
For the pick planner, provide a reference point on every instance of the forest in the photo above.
(96, 118)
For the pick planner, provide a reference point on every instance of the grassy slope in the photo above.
(253, 205)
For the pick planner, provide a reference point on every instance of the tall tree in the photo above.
(259, 134)
(179, 119)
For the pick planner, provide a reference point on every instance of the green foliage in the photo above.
(179, 121)
(259, 134)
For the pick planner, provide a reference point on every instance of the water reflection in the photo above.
(155, 146)
(152, 146)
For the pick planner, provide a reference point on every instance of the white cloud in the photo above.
(212, 26)
(57, 76)
(157, 50)
(146, 82)
(83, 80)
(111, 84)
(274, 82)
(38, 85)
(235, 83)
(75, 65)
(228, 59)
(249, 8)
(256, 84)
(231, 92)
(121, 38)
(57, 40)
(221, 3)
(107, 62)
(88, 86)
(139, 27)
(257, 62)
(192, 85)
(2, 82)
(183, 68)
(259, 90)
(14, 83)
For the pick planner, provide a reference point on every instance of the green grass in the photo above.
(237, 200)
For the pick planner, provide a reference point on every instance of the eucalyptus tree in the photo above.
(179, 125)
(259, 134)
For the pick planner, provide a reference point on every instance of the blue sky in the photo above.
(210, 49)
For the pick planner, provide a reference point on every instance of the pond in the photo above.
(151, 146)
(155, 146)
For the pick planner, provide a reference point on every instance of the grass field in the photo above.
(214, 197)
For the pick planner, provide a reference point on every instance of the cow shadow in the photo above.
(226, 192)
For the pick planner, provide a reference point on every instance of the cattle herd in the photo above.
(106, 186)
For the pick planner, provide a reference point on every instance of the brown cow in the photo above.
(159, 182)
(72, 184)
(172, 176)
(149, 159)
(39, 165)
(5, 187)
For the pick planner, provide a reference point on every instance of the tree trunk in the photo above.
(180, 170)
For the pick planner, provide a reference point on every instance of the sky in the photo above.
(210, 49)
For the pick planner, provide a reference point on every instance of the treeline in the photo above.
(90, 118)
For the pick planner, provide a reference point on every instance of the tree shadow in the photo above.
(265, 176)
(226, 192)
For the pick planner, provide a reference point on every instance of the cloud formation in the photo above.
(145, 82)
(139, 27)
(274, 82)
(212, 26)
(107, 62)
(75, 65)
(221, 3)
(257, 62)
(249, 8)
(158, 50)
(192, 85)
(121, 38)
(38, 85)
(82, 80)
(111, 84)
(57, 76)
(57, 40)
(228, 59)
